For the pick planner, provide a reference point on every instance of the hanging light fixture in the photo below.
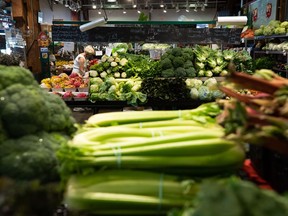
(138, 10)
(165, 9)
(124, 11)
(187, 7)
(177, 8)
(162, 4)
(99, 12)
(203, 7)
(66, 3)
(94, 6)
(134, 4)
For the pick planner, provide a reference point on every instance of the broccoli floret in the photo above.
(180, 72)
(190, 72)
(31, 157)
(168, 73)
(178, 62)
(58, 115)
(29, 109)
(106, 65)
(176, 52)
(188, 51)
(165, 64)
(10, 75)
(188, 64)
(186, 57)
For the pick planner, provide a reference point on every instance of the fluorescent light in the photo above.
(111, 0)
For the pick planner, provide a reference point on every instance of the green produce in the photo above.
(33, 124)
(264, 62)
(31, 157)
(177, 62)
(172, 89)
(15, 75)
(126, 192)
(243, 62)
(111, 89)
(9, 60)
(238, 198)
(273, 27)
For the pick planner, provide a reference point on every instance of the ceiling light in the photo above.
(99, 12)
(111, 0)
(139, 11)
(203, 7)
(124, 11)
(187, 9)
(161, 4)
(94, 6)
(134, 4)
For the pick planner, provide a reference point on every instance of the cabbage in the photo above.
(194, 94)
(193, 83)
(211, 83)
(217, 94)
(205, 93)
(94, 88)
(96, 80)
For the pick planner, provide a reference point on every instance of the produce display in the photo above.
(111, 89)
(274, 27)
(283, 46)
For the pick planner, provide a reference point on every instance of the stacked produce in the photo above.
(274, 27)
(204, 90)
(177, 62)
(165, 89)
(110, 66)
(111, 89)
(149, 145)
(276, 46)
(63, 82)
(259, 119)
(33, 125)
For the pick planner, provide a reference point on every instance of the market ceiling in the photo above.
(156, 4)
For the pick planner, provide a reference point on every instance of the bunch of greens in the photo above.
(243, 62)
(235, 197)
(111, 89)
(141, 65)
(264, 62)
(210, 62)
(177, 62)
(169, 89)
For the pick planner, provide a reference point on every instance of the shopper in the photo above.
(80, 62)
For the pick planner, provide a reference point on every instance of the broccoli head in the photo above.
(177, 51)
(188, 64)
(180, 72)
(13, 74)
(29, 109)
(165, 64)
(168, 73)
(178, 62)
(191, 72)
(31, 157)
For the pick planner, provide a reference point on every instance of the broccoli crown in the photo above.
(12, 74)
(31, 157)
(165, 63)
(190, 72)
(188, 64)
(177, 51)
(168, 73)
(180, 72)
(28, 109)
(178, 62)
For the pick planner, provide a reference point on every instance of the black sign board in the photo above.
(2, 41)
(160, 34)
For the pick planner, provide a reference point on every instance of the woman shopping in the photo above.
(80, 62)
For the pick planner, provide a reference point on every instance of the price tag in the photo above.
(99, 53)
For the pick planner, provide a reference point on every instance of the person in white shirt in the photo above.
(80, 62)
